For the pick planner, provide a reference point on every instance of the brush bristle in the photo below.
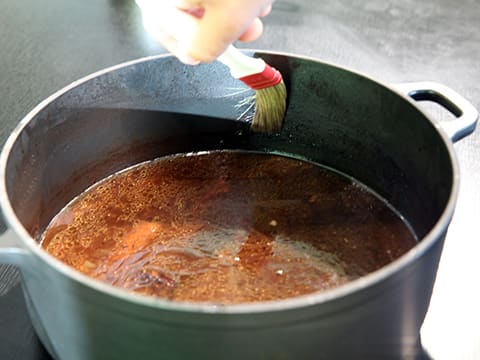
(270, 107)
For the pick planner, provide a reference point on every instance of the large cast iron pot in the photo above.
(133, 112)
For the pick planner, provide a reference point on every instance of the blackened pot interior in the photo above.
(159, 106)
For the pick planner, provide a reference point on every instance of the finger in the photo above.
(185, 4)
(216, 31)
(253, 32)
(173, 28)
(266, 10)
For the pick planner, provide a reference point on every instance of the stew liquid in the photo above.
(227, 227)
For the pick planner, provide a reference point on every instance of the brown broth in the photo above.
(227, 227)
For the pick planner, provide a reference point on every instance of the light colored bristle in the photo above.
(270, 107)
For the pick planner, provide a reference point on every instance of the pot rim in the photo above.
(351, 287)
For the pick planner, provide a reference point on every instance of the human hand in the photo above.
(200, 30)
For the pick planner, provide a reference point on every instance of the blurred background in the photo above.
(47, 44)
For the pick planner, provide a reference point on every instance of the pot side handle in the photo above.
(465, 113)
(10, 250)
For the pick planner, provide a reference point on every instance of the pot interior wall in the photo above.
(144, 110)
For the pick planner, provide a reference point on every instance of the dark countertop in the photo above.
(45, 45)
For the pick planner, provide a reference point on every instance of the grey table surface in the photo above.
(46, 44)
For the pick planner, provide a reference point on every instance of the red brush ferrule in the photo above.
(268, 77)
